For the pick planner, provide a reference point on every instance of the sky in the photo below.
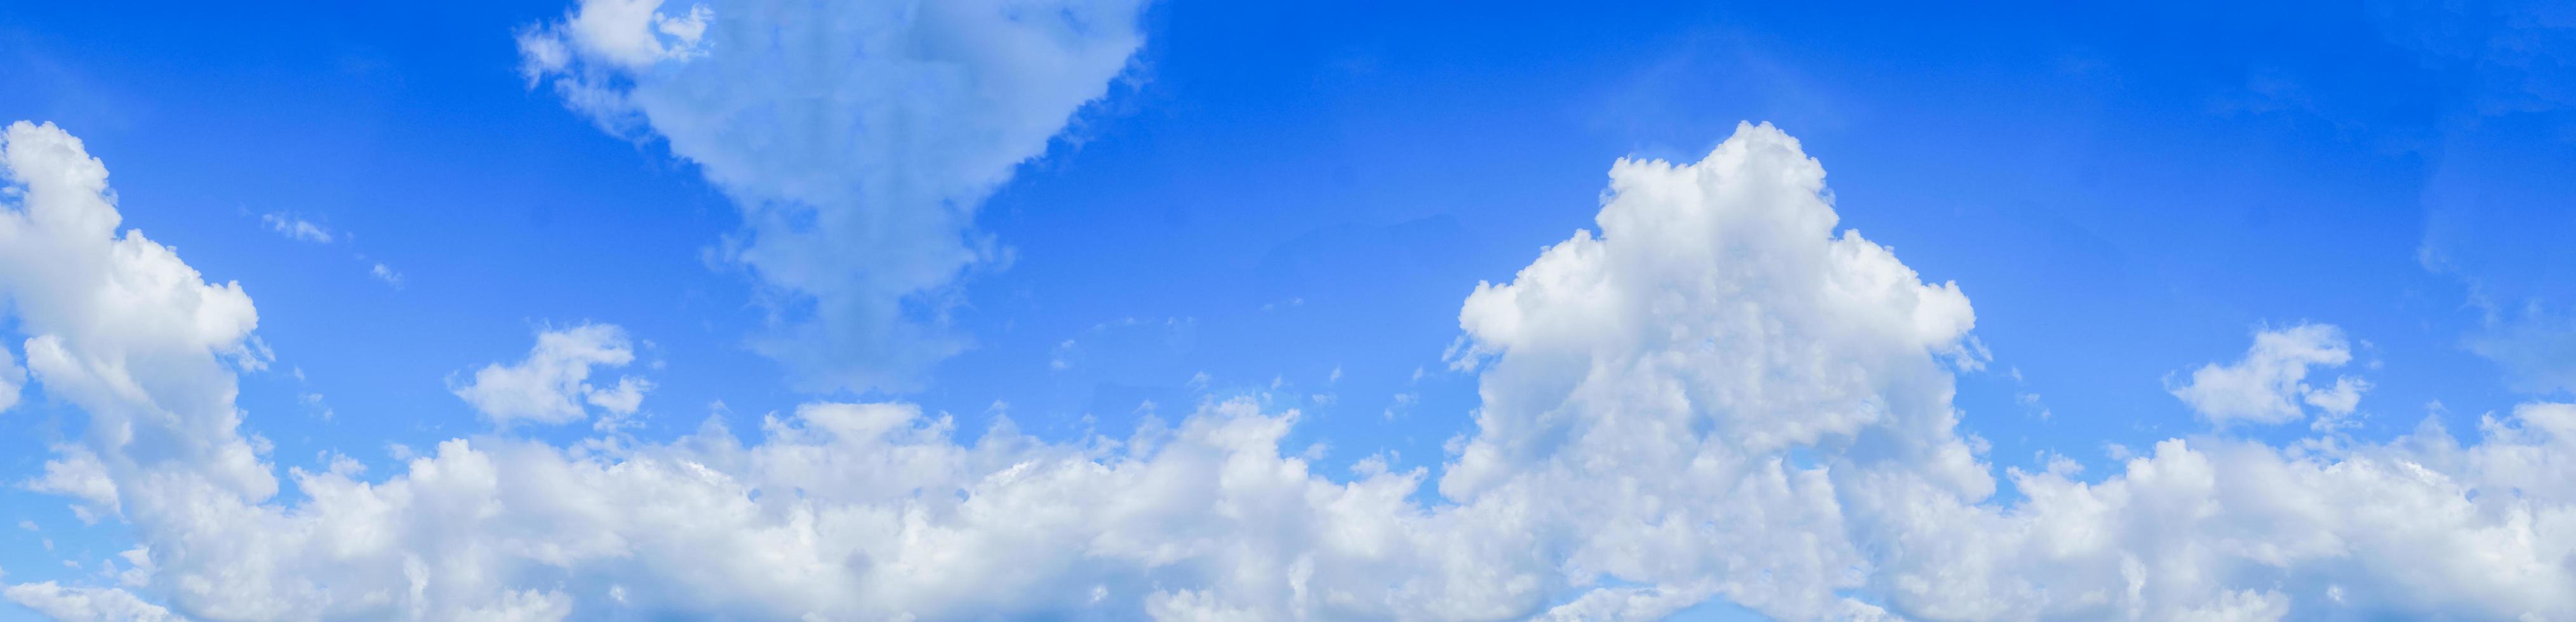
(1125, 309)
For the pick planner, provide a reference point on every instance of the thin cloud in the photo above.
(297, 228)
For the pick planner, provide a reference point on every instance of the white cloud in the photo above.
(843, 512)
(382, 273)
(621, 399)
(2339, 399)
(118, 326)
(313, 402)
(1718, 395)
(2031, 402)
(627, 34)
(13, 379)
(858, 139)
(139, 567)
(2423, 525)
(78, 474)
(2270, 382)
(549, 386)
(297, 228)
(85, 604)
(1062, 351)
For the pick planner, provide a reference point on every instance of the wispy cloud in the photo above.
(386, 274)
(297, 228)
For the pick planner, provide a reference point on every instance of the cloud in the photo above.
(77, 473)
(2492, 195)
(623, 34)
(139, 568)
(296, 228)
(551, 384)
(119, 327)
(2268, 385)
(85, 604)
(382, 273)
(1717, 395)
(2537, 350)
(858, 140)
(1642, 384)
(842, 511)
(2031, 402)
(2412, 527)
(13, 379)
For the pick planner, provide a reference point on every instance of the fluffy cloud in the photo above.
(118, 326)
(77, 473)
(858, 139)
(550, 385)
(1642, 388)
(2268, 385)
(2421, 526)
(1717, 395)
(843, 512)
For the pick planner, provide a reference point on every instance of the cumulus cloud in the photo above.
(1716, 395)
(553, 382)
(118, 326)
(77, 473)
(857, 138)
(2420, 526)
(842, 511)
(2268, 385)
(1642, 385)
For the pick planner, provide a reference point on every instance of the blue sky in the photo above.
(1287, 203)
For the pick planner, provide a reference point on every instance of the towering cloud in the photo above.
(120, 327)
(1717, 395)
(1645, 386)
(858, 138)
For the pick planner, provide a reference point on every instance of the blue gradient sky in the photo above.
(1294, 197)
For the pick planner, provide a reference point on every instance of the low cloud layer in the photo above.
(84, 604)
(1717, 395)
